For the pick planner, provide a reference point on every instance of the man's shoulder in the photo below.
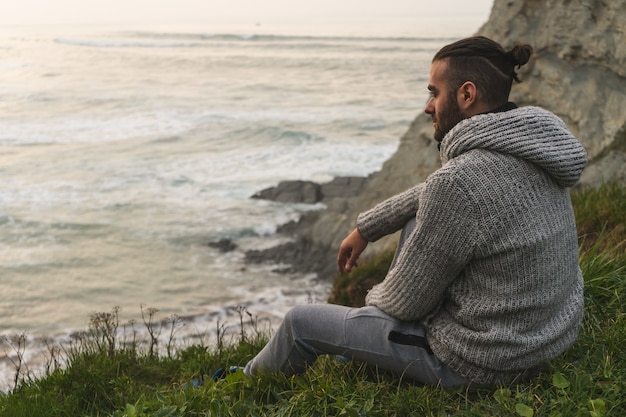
(474, 162)
(478, 167)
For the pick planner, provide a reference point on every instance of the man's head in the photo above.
(471, 76)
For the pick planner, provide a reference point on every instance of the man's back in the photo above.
(518, 300)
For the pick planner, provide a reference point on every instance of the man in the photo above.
(485, 285)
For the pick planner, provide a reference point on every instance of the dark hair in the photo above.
(485, 63)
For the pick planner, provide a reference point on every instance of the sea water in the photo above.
(123, 153)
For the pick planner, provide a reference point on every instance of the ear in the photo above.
(467, 97)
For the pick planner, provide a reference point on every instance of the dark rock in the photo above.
(302, 255)
(306, 192)
(294, 227)
(343, 187)
(288, 228)
(223, 245)
(305, 253)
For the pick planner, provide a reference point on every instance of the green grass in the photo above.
(601, 211)
(104, 377)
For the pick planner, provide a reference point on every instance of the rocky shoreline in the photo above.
(303, 254)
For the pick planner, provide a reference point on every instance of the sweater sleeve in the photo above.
(391, 215)
(433, 255)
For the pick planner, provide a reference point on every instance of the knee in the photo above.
(292, 324)
(295, 315)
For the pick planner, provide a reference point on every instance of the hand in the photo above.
(350, 250)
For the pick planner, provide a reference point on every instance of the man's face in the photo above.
(442, 105)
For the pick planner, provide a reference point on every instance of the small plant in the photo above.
(175, 323)
(132, 343)
(241, 310)
(53, 362)
(220, 331)
(154, 330)
(17, 344)
(104, 329)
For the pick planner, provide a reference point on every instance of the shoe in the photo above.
(195, 383)
(342, 359)
(222, 372)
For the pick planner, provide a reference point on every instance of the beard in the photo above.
(446, 120)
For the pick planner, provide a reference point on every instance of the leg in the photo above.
(406, 231)
(361, 334)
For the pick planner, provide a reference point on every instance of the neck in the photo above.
(509, 105)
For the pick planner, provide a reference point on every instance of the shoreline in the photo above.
(260, 308)
(302, 253)
(263, 307)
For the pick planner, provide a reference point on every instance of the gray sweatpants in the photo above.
(364, 334)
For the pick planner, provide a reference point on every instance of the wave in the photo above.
(297, 136)
(251, 37)
(191, 40)
(124, 43)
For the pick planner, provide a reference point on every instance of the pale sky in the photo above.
(242, 12)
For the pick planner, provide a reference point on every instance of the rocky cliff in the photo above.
(578, 71)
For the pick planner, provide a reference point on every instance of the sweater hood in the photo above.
(528, 133)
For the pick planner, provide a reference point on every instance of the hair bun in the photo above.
(520, 54)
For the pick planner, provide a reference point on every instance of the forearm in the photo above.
(391, 215)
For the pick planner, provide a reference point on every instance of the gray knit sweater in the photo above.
(491, 269)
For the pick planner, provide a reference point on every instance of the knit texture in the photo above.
(491, 268)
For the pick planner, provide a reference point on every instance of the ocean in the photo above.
(124, 152)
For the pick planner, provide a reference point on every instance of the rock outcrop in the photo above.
(308, 192)
(310, 250)
(578, 71)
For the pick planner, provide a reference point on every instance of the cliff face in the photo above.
(578, 71)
